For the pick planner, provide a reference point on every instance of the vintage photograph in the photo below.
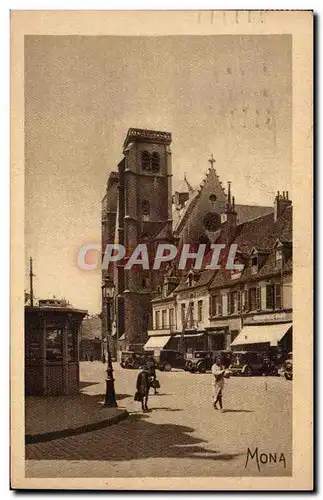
(158, 253)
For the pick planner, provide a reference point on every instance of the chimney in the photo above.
(281, 203)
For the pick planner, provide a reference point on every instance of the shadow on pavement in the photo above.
(237, 411)
(165, 408)
(133, 439)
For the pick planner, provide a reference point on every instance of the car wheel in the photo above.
(201, 368)
(135, 366)
(168, 367)
(247, 372)
(161, 368)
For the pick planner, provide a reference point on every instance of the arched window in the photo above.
(145, 160)
(145, 207)
(155, 162)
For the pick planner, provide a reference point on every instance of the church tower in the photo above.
(145, 209)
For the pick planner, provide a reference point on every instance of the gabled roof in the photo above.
(261, 233)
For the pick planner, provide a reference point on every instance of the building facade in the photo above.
(140, 206)
(250, 308)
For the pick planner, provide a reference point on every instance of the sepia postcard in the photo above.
(161, 250)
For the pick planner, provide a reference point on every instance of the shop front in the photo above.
(262, 337)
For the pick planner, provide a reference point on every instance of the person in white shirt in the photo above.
(218, 371)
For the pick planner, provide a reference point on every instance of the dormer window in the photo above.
(145, 160)
(279, 258)
(155, 162)
(190, 279)
(254, 264)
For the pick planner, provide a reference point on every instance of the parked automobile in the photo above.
(248, 363)
(132, 359)
(168, 359)
(203, 360)
(288, 367)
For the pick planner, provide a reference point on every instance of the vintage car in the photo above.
(132, 359)
(248, 363)
(166, 359)
(288, 367)
(203, 360)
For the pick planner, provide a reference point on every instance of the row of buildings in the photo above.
(207, 309)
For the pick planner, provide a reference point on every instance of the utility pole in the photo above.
(31, 275)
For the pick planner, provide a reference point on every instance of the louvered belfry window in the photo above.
(145, 160)
(155, 162)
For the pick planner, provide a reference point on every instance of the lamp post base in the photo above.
(110, 395)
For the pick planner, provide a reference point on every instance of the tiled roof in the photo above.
(261, 233)
(202, 279)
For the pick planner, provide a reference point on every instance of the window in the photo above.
(145, 282)
(254, 264)
(155, 162)
(200, 310)
(269, 296)
(212, 221)
(171, 318)
(234, 302)
(273, 296)
(279, 258)
(183, 313)
(246, 300)
(164, 318)
(157, 319)
(145, 160)
(54, 344)
(216, 305)
(72, 344)
(145, 207)
(258, 298)
(252, 302)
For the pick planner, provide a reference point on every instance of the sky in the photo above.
(226, 95)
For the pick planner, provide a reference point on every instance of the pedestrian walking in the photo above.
(142, 387)
(218, 374)
(152, 374)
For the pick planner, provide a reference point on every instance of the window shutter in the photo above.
(278, 303)
(269, 297)
(246, 302)
(258, 298)
(238, 301)
(228, 303)
(220, 305)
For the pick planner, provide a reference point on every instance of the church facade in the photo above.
(140, 206)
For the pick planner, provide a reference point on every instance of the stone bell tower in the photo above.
(145, 209)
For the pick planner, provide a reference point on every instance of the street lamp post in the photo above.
(107, 296)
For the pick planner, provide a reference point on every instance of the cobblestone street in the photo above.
(182, 435)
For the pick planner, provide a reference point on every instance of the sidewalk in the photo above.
(48, 418)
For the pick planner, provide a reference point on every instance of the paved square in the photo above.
(182, 435)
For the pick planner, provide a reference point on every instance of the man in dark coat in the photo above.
(143, 387)
(152, 373)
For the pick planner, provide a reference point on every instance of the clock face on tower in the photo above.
(212, 221)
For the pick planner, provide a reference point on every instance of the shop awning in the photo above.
(262, 334)
(157, 342)
(187, 336)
